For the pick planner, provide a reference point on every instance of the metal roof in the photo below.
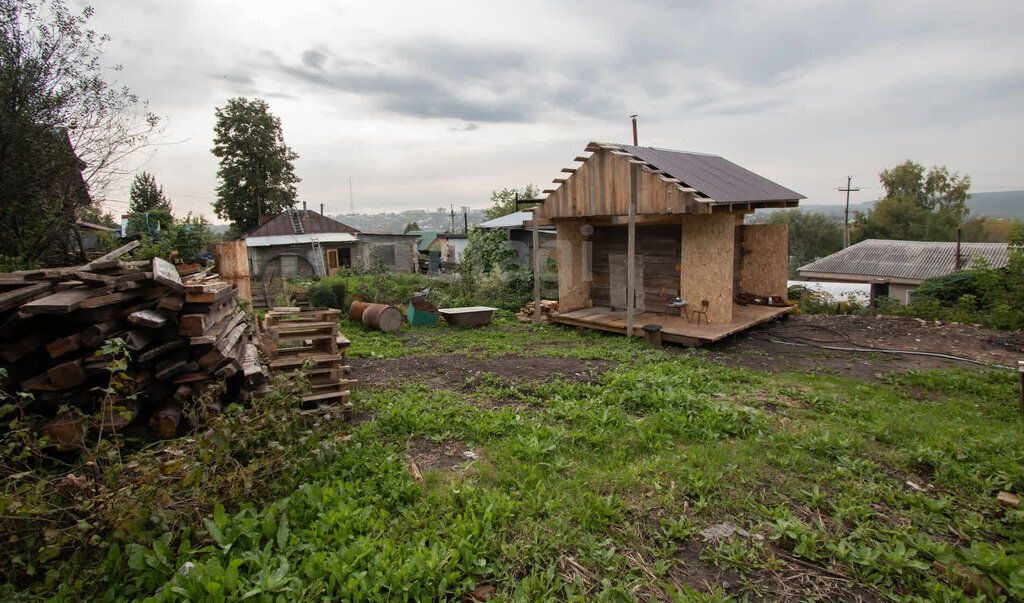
(312, 223)
(300, 239)
(513, 220)
(903, 260)
(713, 176)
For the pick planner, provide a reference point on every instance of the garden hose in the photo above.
(780, 338)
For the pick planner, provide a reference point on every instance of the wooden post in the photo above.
(536, 272)
(1020, 365)
(233, 266)
(634, 179)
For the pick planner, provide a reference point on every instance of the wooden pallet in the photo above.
(292, 337)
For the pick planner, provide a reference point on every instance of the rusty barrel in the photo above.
(383, 317)
(357, 309)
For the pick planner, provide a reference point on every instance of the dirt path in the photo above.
(755, 349)
(758, 349)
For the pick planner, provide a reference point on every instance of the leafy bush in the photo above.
(328, 294)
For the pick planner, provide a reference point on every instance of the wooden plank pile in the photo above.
(529, 312)
(292, 336)
(180, 337)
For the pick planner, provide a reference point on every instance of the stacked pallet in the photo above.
(292, 336)
(180, 337)
(529, 312)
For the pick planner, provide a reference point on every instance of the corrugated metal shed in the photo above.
(714, 176)
(906, 261)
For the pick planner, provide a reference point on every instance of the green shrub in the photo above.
(327, 294)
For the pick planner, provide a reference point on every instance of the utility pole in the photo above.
(453, 218)
(465, 218)
(846, 216)
(633, 117)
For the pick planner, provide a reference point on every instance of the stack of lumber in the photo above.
(180, 338)
(529, 312)
(292, 336)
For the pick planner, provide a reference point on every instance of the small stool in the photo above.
(652, 333)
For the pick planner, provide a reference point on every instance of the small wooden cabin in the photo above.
(640, 226)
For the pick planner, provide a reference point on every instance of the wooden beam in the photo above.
(548, 191)
(113, 255)
(581, 158)
(634, 176)
(569, 170)
(536, 273)
(559, 180)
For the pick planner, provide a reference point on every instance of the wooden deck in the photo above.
(674, 328)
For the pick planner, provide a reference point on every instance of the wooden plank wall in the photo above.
(707, 258)
(659, 247)
(765, 260)
(600, 187)
(573, 277)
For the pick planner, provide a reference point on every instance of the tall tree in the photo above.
(919, 205)
(146, 195)
(149, 208)
(503, 202)
(63, 128)
(256, 174)
(812, 235)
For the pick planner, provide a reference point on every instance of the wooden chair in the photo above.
(702, 312)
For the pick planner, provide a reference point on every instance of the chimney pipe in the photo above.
(633, 117)
(321, 209)
(303, 206)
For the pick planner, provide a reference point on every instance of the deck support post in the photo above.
(634, 183)
(536, 273)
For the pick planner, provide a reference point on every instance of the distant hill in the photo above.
(395, 222)
(1001, 204)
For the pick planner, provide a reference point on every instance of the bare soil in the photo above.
(446, 455)
(454, 371)
(762, 348)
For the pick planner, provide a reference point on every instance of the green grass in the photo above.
(586, 491)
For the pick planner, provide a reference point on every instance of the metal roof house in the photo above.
(637, 227)
(895, 268)
(300, 242)
(520, 237)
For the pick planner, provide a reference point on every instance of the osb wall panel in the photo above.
(573, 275)
(659, 248)
(707, 260)
(765, 260)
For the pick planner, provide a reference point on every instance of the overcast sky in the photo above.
(424, 104)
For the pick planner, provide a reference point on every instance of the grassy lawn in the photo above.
(817, 486)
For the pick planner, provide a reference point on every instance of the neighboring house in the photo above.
(639, 226)
(520, 236)
(449, 246)
(90, 236)
(895, 268)
(286, 246)
(432, 258)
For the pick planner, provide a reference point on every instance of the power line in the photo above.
(846, 215)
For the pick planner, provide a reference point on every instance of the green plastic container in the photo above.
(422, 318)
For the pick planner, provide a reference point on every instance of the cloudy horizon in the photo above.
(424, 105)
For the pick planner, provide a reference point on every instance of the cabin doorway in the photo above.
(618, 279)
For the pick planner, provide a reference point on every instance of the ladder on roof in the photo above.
(293, 215)
(318, 257)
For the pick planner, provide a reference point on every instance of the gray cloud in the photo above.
(314, 59)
